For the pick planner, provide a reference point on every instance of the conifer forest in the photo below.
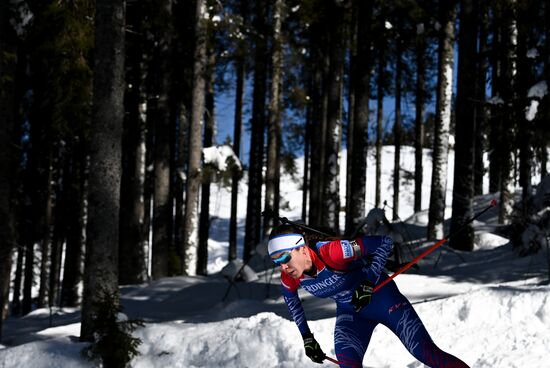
(108, 107)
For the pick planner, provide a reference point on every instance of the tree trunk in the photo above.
(495, 119)
(397, 127)
(162, 210)
(524, 80)
(8, 62)
(76, 223)
(331, 186)
(307, 161)
(132, 267)
(379, 125)
(60, 221)
(352, 55)
(419, 118)
(209, 129)
(543, 144)
(182, 93)
(506, 146)
(17, 281)
(481, 111)
(274, 124)
(463, 187)
(236, 175)
(253, 207)
(447, 15)
(361, 116)
(46, 243)
(101, 270)
(318, 126)
(194, 176)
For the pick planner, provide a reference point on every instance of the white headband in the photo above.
(285, 242)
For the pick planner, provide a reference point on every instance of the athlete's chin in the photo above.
(294, 274)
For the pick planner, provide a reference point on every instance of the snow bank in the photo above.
(60, 352)
(500, 326)
(263, 340)
(488, 241)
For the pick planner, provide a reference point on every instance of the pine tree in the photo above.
(162, 203)
(442, 120)
(132, 265)
(8, 62)
(361, 81)
(240, 66)
(463, 186)
(194, 174)
(337, 29)
(209, 130)
(253, 207)
(101, 267)
(273, 152)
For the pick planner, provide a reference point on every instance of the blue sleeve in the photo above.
(294, 305)
(378, 250)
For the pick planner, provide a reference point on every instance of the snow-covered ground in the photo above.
(489, 307)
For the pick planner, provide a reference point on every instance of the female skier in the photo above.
(347, 271)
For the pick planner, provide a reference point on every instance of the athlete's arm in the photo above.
(289, 290)
(342, 254)
(381, 247)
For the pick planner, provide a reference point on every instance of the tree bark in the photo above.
(74, 249)
(481, 111)
(194, 177)
(132, 267)
(60, 222)
(274, 124)
(397, 127)
(162, 203)
(524, 80)
(447, 14)
(240, 66)
(361, 116)
(184, 15)
(331, 186)
(318, 126)
(419, 118)
(253, 207)
(463, 186)
(352, 66)
(505, 147)
(8, 61)
(209, 129)
(379, 125)
(101, 268)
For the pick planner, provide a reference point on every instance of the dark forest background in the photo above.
(106, 105)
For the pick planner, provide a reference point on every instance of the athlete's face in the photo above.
(299, 262)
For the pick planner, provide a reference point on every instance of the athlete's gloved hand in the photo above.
(313, 349)
(362, 295)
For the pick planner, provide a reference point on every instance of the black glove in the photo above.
(313, 349)
(362, 295)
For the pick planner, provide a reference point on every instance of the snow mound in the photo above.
(498, 326)
(60, 352)
(488, 241)
(263, 340)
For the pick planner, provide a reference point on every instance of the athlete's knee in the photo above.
(346, 361)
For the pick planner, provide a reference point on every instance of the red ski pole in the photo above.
(433, 247)
(332, 360)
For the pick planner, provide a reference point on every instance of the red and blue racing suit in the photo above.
(341, 266)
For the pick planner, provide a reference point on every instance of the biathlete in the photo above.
(347, 271)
